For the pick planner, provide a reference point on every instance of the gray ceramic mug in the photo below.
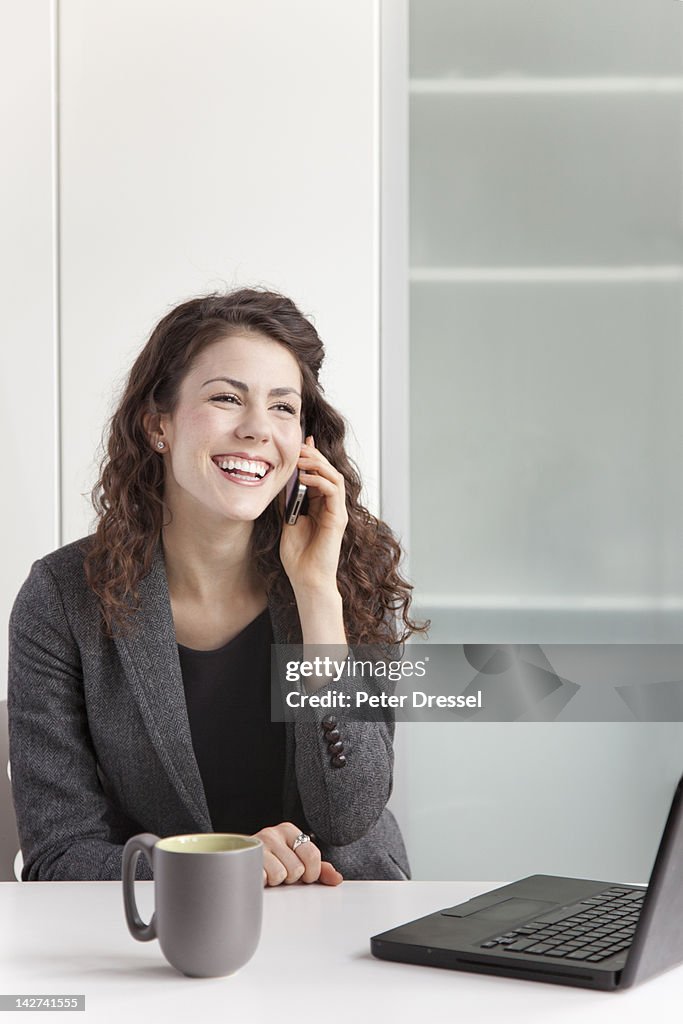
(208, 899)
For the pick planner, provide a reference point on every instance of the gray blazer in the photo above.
(100, 744)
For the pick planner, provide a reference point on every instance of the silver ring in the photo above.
(300, 840)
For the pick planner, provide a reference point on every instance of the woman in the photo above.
(139, 662)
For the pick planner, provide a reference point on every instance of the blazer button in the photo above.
(333, 735)
(339, 761)
(329, 722)
(336, 748)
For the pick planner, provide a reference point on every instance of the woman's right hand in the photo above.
(283, 864)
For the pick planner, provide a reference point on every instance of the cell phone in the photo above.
(296, 498)
(296, 501)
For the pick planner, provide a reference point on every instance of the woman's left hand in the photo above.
(310, 549)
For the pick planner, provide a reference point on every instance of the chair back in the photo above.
(10, 854)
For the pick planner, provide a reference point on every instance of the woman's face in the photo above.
(239, 408)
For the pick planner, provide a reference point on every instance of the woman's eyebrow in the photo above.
(241, 386)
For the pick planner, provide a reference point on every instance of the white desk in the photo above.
(313, 963)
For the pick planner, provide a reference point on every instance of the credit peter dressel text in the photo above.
(363, 699)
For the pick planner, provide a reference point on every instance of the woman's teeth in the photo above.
(243, 467)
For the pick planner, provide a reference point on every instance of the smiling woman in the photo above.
(238, 423)
(140, 656)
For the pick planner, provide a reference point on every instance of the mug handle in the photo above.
(144, 843)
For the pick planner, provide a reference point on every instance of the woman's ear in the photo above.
(151, 424)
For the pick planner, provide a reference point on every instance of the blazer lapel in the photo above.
(149, 654)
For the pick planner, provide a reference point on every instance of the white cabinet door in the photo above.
(29, 348)
(208, 145)
(162, 150)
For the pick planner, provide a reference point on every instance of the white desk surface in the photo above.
(313, 963)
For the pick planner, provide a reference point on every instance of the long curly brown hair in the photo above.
(128, 496)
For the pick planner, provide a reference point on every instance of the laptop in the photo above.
(568, 931)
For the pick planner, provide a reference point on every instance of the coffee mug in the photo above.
(208, 899)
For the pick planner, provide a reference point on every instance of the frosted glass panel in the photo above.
(545, 37)
(547, 440)
(546, 180)
(546, 432)
(546, 362)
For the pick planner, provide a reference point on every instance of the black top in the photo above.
(240, 751)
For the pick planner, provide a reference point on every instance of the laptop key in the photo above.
(577, 954)
(487, 945)
(555, 916)
(540, 947)
(521, 944)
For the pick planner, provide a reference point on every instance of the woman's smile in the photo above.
(242, 471)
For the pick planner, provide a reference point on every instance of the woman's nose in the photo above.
(254, 424)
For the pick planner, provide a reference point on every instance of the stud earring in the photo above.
(160, 444)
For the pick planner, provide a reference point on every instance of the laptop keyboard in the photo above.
(592, 930)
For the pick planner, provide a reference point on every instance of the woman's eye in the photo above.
(235, 400)
(228, 398)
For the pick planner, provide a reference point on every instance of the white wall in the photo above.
(28, 358)
(198, 146)
(208, 144)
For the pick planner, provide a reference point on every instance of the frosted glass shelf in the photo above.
(551, 274)
(606, 602)
(519, 84)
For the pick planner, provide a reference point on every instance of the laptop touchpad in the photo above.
(505, 910)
